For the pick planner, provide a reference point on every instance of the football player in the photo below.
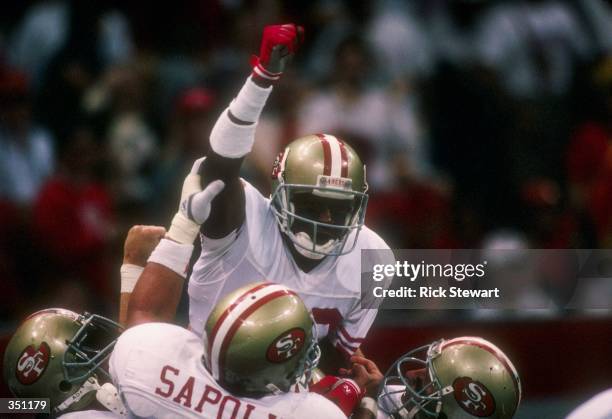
(461, 378)
(265, 301)
(59, 354)
(258, 342)
(307, 236)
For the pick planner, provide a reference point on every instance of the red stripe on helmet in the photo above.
(344, 157)
(327, 159)
(238, 322)
(229, 309)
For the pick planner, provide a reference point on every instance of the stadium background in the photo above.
(482, 122)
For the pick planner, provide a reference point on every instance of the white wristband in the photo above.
(182, 229)
(369, 404)
(129, 276)
(249, 103)
(174, 256)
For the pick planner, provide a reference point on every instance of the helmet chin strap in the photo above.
(106, 394)
(302, 242)
(91, 384)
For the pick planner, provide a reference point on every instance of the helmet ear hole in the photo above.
(65, 386)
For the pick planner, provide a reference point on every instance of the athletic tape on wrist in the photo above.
(174, 256)
(250, 101)
(129, 276)
(182, 229)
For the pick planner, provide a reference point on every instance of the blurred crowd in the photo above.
(479, 121)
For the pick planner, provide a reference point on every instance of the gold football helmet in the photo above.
(315, 174)
(58, 354)
(466, 377)
(259, 340)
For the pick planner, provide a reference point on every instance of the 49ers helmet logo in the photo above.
(286, 346)
(473, 397)
(32, 363)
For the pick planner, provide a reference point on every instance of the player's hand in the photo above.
(344, 392)
(278, 44)
(140, 242)
(365, 373)
(195, 206)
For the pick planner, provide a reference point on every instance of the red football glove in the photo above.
(344, 392)
(278, 44)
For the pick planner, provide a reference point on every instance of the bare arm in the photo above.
(139, 243)
(124, 301)
(156, 296)
(227, 212)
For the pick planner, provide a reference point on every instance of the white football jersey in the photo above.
(158, 371)
(599, 407)
(257, 252)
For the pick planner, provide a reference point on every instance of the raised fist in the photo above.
(278, 44)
